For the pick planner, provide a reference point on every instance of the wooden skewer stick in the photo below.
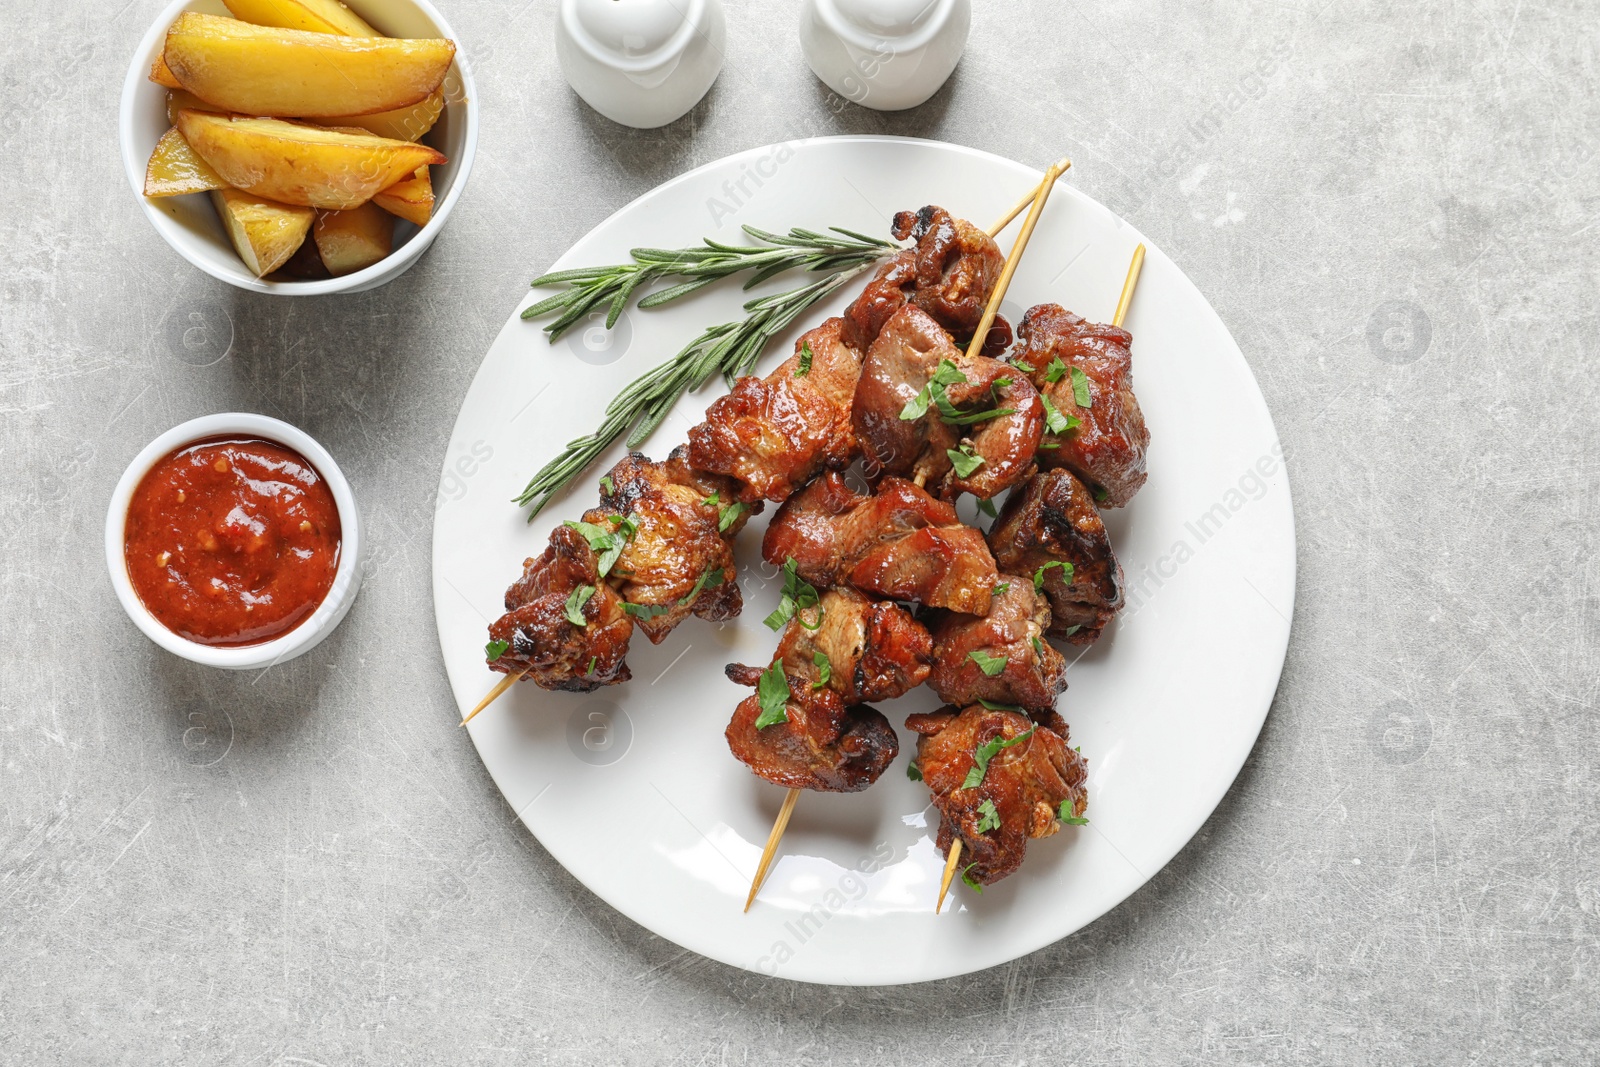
(1022, 205)
(771, 850)
(1039, 198)
(494, 694)
(950, 866)
(1128, 286)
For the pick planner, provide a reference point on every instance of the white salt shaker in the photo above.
(642, 63)
(884, 54)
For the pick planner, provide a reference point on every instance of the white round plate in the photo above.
(633, 789)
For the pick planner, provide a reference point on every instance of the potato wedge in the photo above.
(175, 169)
(298, 164)
(161, 74)
(411, 199)
(264, 233)
(317, 16)
(182, 99)
(353, 240)
(264, 70)
(403, 124)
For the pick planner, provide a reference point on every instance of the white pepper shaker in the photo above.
(642, 63)
(884, 54)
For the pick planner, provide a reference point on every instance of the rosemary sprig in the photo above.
(614, 286)
(730, 347)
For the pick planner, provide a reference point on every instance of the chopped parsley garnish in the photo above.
(1038, 647)
(608, 543)
(1043, 445)
(607, 484)
(988, 817)
(806, 356)
(1064, 813)
(986, 752)
(592, 661)
(1080, 387)
(1054, 421)
(950, 416)
(575, 602)
(798, 595)
(730, 515)
(626, 524)
(989, 665)
(1100, 495)
(712, 578)
(823, 665)
(1001, 589)
(495, 649)
(645, 611)
(913, 772)
(986, 506)
(1038, 575)
(713, 500)
(998, 384)
(773, 693)
(1056, 371)
(1022, 364)
(1074, 628)
(964, 461)
(966, 876)
(946, 374)
(992, 706)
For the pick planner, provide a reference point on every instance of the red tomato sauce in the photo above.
(232, 540)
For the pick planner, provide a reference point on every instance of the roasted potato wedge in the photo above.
(266, 70)
(317, 16)
(175, 169)
(182, 99)
(353, 240)
(403, 124)
(162, 75)
(298, 164)
(264, 233)
(411, 199)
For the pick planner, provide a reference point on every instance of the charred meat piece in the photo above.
(823, 744)
(1031, 782)
(949, 274)
(538, 630)
(920, 399)
(1107, 447)
(1051, 531)
(1000, 657)
(873, 649)
(776, 433)
(898, 543)
(676, 558)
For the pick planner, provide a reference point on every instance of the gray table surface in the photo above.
(312, 866)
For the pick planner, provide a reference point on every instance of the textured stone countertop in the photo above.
(311, 866)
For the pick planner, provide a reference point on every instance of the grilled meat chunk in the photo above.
(541, 638)
(776, 433)
(898, 543)
(1107, 449)
(675, 559)
(1050, 528)
(825, 744)
(1009, 641)
(1031, 782)
(949, 274)
(914, 363)
(874, 649)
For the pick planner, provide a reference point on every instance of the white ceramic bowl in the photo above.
(190, 224)
(346, 581)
